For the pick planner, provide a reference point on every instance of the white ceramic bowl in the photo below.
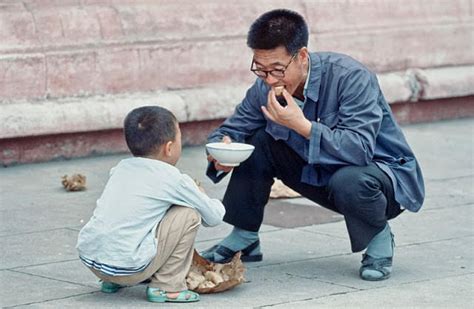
(230, 154)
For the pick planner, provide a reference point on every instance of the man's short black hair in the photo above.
(146, 128)
(278, 28)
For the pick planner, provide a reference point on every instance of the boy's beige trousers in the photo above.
(176, 234)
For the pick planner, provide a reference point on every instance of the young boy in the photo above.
(138, 231)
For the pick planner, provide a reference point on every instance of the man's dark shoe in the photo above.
(228, 254)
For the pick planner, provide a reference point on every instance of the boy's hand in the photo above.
(198, 184)
(219, 167)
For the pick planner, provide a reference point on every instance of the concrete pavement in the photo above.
(307, 266)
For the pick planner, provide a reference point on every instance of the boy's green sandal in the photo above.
(110, 287)
(159, 296)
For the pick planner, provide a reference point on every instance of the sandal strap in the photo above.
(183, 296)
(225, 252)
(229, 254)
(250, 248)
(379, 264)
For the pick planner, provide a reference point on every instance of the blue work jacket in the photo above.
(352, 124)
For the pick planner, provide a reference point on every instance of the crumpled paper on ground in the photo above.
(207, 277)
(76, 182)
(280, 190)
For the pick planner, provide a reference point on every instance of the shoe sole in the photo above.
(168, 300)
(252, 258)
(109, 291)
(376, 279)
(110, 288)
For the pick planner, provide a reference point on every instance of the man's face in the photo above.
(278, 59)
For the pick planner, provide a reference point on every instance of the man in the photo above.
(335, 142)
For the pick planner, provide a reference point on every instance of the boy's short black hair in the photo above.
(146, 128)
(278, 28)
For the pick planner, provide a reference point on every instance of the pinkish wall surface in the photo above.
(78, 66)
(69, 48)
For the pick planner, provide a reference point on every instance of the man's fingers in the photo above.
(226, 139)
(219, 167)
(273, 104)
(288, 97)
(223, 168)
(267, 113)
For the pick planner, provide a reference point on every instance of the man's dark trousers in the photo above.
(362, 194)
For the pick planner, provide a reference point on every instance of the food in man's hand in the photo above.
(279, 90)
(76, 182)
(279, 95)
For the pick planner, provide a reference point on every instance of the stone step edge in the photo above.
(96, 113)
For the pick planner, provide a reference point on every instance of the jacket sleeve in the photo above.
(352, 140)
(211, 210)
(246, 119)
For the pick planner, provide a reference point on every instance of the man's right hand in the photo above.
(219, 167)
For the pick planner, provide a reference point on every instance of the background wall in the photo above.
(71, 69)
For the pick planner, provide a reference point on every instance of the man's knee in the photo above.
(350, 185)
(344, 179)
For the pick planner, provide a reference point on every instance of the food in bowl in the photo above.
(231, 154)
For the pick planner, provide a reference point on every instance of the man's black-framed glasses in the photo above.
(277, 73)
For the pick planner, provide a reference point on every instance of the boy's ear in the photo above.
(168, 148)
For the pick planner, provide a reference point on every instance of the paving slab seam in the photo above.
(301, 229)
(433, 241)
(447, 207)
(300, 260)
(41, 264)
(350, 253)
(307, 299)
(460, 205)
(52, 299)
(36, 232)
(314, 278)
(429, 279)
(448, 178)
(74, 228)
(50, 278)
(356, 290)
(220, 238)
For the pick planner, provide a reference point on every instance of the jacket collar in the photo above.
(314, 77)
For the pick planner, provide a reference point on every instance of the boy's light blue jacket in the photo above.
(120, 237)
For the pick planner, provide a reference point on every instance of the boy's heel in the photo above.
(110, 287)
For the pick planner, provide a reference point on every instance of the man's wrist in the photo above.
(304, 128)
